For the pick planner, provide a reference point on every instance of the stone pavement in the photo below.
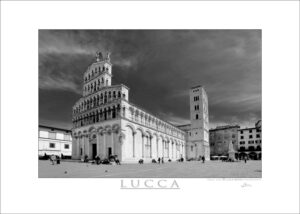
(192, 169)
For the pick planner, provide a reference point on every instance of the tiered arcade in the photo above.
(105, 123)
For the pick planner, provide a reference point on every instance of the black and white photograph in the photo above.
(149, 107)
(150, 103)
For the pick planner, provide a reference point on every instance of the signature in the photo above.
(246, 185)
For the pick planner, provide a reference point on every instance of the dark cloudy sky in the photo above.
(159, 67)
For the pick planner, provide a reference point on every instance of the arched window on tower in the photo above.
(101, 98)
(197, 116)
(114, 112)
(105, 114)
(109, 113)
(105, 98)
(106, 83)
(100, 114)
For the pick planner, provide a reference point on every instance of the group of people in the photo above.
(54, 159)
(97, 160)
(202, 158)
(160, 160)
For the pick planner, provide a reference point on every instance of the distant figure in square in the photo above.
(86, 159)
(117, 160)
(245, 159)
(52, 159)
(203, 159)
(57, 159)
(158, 160)
(97, 158)
(162, 160)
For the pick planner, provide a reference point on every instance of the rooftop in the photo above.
(54, 128)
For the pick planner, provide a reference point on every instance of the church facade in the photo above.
(105, 123)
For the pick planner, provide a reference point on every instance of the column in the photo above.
(78, 147)
(143, 145)
(104, 144)
(163, 148)
(150, 146)
(172, 150)
(86, 145)
(81, 146)
(133, 144)
(121, 141)
(112, 143)
(157, 147)
(98, 144)
(74, 143)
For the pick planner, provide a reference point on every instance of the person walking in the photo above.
(52, 159)
(158, 160)
(162, 160)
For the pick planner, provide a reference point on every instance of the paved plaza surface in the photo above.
(192, 169)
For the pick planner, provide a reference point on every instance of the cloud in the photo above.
(160, 66)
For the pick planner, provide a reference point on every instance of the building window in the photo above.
(52, 145)
(67, 146)
(242, 142)
(242, 137)
(251, 148)
(52, 135)
(250, 131)
(251, 142)
(257, 136)
(44, 134)
(250, 136)
(241, 131)
(67, 137)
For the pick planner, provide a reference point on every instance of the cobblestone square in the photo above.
(192, 169)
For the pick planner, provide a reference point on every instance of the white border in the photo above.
(23, 192)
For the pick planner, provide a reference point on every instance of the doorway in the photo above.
(109, 152)
(94, 150)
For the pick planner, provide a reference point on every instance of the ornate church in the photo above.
(106, 123)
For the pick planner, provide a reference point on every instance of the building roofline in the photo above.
(225, 127)
(197, 86)
(247, 128)
(153, 115)
(183, 125)
(55, 128)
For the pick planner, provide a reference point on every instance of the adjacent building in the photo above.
(106, 123)
(224, 141)
(55, 141)
(249, 142)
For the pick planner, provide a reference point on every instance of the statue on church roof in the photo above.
(99, 56)
(108, 56)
